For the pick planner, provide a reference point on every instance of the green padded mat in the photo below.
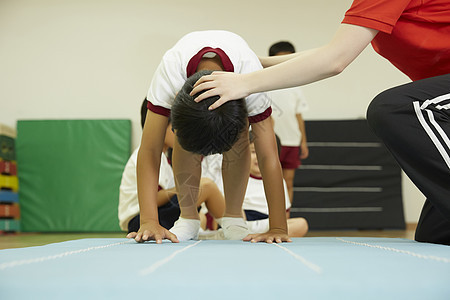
(69, 173)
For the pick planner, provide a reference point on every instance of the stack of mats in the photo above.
(308, 268)
(9, 206)
(70, 172)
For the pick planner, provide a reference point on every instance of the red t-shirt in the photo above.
(414, 35)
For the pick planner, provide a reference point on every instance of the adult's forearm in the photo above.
(268, 61)
(297, 71)
(315, 64)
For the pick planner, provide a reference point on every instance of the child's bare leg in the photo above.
(297, 227)
(212, 197)
(186, 170)
(235, 173)
(164, 196)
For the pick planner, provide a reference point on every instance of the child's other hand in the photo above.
(277, 236)
(152, 231)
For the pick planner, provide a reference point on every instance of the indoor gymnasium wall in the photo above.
(82, 59)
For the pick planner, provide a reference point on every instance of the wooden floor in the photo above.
(20, 240)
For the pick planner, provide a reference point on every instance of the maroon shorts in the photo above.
(289, 157)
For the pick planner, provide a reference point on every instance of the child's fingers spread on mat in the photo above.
(158, 238)
(131, 235)
(268, 237)
(138, 237)
(172, 237)
(248, 238)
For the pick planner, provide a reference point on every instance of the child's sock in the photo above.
(234, 228)
(186, 229)
(211, 235)
(219, 221)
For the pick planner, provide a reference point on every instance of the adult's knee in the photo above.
(382, 111)
(379, 108)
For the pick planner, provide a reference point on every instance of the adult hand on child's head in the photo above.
(228, 86)
(277, 236)
(152, 231)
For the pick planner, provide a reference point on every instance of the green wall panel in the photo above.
(69, 173)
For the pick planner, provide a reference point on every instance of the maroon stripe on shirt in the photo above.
(158, 109)
(195, 60)
(262, 116)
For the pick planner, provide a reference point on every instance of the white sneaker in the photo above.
(234, 228)
(186, 229)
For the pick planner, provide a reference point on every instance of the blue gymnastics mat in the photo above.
(307, 268)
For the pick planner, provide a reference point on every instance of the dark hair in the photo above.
(143, 112)
(202, 131)
(282, 46)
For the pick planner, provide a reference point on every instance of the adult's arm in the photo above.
(309, 66)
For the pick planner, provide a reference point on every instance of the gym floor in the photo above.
(21, 240)
(324, 265)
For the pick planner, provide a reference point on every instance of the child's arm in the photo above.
(269, 164)
(305, 67)
(149, 159)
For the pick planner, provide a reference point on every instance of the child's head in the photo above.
(202, 131)
(281, 48)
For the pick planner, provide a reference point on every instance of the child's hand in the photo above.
(277, 236)
(152, 231)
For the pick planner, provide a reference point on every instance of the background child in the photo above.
(255, 204)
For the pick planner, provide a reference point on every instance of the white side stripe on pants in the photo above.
(447, 106)
(430, 132)
(436, 100)
(439, 129)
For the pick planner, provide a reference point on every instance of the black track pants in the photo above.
(413, 121)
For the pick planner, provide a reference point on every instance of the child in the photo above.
(288, 106)
(255, 205)
(168, 209)
(207, 50)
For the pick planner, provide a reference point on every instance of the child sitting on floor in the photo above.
(168, 208)
(255, 204)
